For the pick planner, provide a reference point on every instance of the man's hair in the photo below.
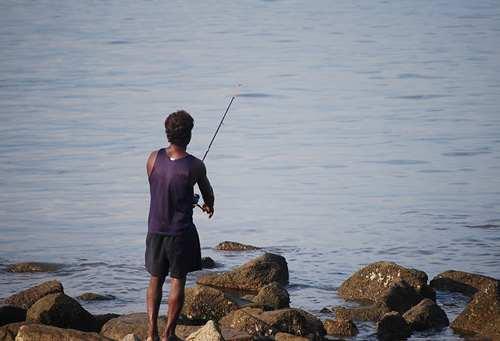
(178, 126)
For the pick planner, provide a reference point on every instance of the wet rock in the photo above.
(60, 310)
(33, 267)
(207, 263)
(204, 303)
(290, 337)
(101, 319)
(372, 312)
(482, 314)
(464, 282)
(340, 327)
(273, 295)
(209, 332)
(234, 246)
(26, 298)
(9, 331)
(40, 332)
(257, 322)
(131, 337)
(91, 296)
(11, 314)
(252, 275)
(426, 315)
(374, 280)
(392, 326)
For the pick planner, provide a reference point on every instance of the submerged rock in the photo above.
(234, 246)
(34, 267)
(340, 327)
(91, 296)
(392, 326)
(272, 295)
(204, 303)
(39, 332)
(11, 314)
(207, 263)
(252, 275)
(26, 298)
(459, 281)
(425, 315)
(209, 332)
(60, 310)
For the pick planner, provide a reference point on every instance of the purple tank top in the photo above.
(171, 186)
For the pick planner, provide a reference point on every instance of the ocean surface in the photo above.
(361, 131)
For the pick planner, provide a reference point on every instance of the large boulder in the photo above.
(252, 275)
(374, 280)
(60, 310)
(204, 303)
(102, 319)
(392, 326)
(482, 314)
(40, 332)
(372, 312)
(33, 267)
(9, 331)
(464, 282)
(273, 295)
(26, 298)
(234, 246)
(340, 327)
(289, 337)
(209, 332)
(257, 322)
(11, 314)
(426, 315)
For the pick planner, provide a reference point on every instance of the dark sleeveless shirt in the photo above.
(171, 185)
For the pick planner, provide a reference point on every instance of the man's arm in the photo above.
(151, 162)
(206, 191)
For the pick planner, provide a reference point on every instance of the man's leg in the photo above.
(175, 302)
(153, 299)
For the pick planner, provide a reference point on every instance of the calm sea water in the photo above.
(362, 131)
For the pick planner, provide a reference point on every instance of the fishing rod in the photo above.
(197, 196)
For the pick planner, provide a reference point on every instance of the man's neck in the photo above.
(176, 152)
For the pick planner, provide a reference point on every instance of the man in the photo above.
(172, 243)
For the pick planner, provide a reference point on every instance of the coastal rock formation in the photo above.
(209, 332)
(372, 312)
(207, 263)
(252, 275)
(459, 281)
(204, 303)
(102, 319)
(290, 337)
(26, 298)
(340, 327)
(9, 331)
(33, 267)
(257, 322)
(235, 246)
(374, 280)
(91, 296)
(62, 311)
(425, 315)
(392, 326)
(131, 337)
(40, 332)
(272, 295)
(11, 314)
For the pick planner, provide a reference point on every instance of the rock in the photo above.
(204, 303)
(372, 312)
(374, 280)
(40, 332)
(209, 332)
(91, 296)
(464, 282)
(101, 319)
(273, 295)
(60, 310)
(257, 322)
(131, 337)
(425, 315)
(207, 263)
(11, 314)
(289, 337)
(392, 326)
(252, 275)
(33, 267)
(482, 314)
(26, 298)
(234, 246)
(9, 331)
(340, 327)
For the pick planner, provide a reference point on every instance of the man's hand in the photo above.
(208, 210)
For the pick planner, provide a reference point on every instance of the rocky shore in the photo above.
(251, 302)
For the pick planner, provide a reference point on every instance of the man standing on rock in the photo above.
(172, 243)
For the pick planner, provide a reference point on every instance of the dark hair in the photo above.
(178, 126)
